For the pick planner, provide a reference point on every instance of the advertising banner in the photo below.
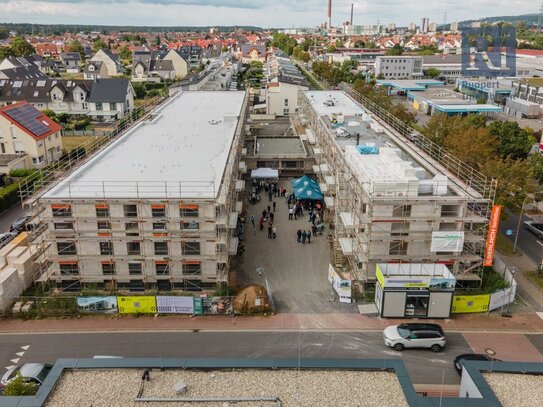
(217, 305)
(341, 287)
(449, 241)
(442, 283)
(492, 235)
(198, 306)
(174, 305)
(400, 281)
(463, 304)
(97, 305)
(137, 305)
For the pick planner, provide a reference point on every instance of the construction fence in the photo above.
(137, 304)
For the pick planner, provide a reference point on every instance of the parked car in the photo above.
(534, 227)
(415, 335)
(20, 224)
(470, 356)
(5, 238)
(31, 372)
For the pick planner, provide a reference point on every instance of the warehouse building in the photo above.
(388, 200)
(158, 207)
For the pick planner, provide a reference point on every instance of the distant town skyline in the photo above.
(266, 14)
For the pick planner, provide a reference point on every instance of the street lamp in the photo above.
(520, 220)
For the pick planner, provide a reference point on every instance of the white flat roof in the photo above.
(181, 153)
(342, 103)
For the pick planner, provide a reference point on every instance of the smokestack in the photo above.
(352, 6)
(329, 14)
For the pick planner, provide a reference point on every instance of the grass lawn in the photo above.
(535, 278)
(505, 247)
(71, 142)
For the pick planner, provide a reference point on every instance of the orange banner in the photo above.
(492, 235)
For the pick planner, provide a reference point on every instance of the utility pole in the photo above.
(539, 20)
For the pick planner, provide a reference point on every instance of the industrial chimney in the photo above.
(329, 14)
(352, 6)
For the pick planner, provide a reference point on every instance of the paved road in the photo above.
(49, 347)
(7, 218)
(528, 243)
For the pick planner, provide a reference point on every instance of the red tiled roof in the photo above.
(53, 126)
(530, 52)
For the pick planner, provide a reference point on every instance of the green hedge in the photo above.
(9, 196)
(21, 172)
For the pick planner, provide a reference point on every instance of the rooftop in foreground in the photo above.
(181, 152)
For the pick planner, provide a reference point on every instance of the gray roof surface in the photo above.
(109, 90)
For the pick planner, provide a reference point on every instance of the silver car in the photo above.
(415, 335)
(31, 372)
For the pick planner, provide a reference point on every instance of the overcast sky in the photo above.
(263, 13)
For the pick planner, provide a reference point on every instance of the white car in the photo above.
(415, 335)
(31, 372)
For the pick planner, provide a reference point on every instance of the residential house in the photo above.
(100, 99)
(25, 131)
(192, 54)
(284, 81)
(112, 62)
(150, 66)
(250, 53)
(71, 61)
(181, 65)
(95, 70)
(49, 50)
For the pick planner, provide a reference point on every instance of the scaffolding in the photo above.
(372, 224)
(146, 225)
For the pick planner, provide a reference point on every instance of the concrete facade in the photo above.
(398, 67)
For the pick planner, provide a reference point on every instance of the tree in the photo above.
(432, 72)
(472, 145)
(98, 45)
(5, 52)
(20, 387)
(4, 33)
(21, 48)
(75, 46)
(512, 140)
(536, 162)
(359, 44)
(371, 45)
(395, 50)
(401, 112)
(440, 126)
(125, 54)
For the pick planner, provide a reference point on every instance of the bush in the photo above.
(9, 196)
(21, 172)
(20, 387)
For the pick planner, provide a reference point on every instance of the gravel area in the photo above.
(515, 390)
(119, 387)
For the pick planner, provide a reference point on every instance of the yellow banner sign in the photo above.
(136, 305)
(463, 304)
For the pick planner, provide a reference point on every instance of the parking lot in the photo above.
(296, 273)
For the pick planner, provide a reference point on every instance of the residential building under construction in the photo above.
(391, 196)
(157, 207)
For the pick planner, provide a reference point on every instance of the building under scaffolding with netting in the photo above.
(392, 195)
(155, 208)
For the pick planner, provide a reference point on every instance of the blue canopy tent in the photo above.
(308, 192)
(305, 180)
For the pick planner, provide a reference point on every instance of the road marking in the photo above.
(25, 347)
(20, 354)
(540, 314)
(9, 367)
(16, 360)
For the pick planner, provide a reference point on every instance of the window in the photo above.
(64, 225)
(188, 211)
(98, 105)
(286, 102)
(290, 164)
(130, 211)
(13, 133)
(162, 268)
(191, 225)
(133, 248)
(66, 248)
(68, 269)
(286, 111)
(192, 267)
(159, 225)
(19, 148)
(401, 211)
(161, 248)
(190, 247)
(104, 225)
(61, 211)
(106, 248)
(134, 268)
(102, 211)
(397, 248)
(108, 268)
(158, 211)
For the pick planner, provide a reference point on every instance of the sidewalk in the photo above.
(526, 323)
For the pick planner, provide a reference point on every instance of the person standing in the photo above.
(272, 216)
(270, 229)
(290, 213)
(299, 234)
(261, 223)
(308, 236)
(304, 236)
(274, 204)
(253, 220)
(270, 195)
(274, 232)
(314, 229)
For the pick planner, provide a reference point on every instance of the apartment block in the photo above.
(388, 200)
(158, 207)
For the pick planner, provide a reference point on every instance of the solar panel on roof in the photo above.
(27, 116)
